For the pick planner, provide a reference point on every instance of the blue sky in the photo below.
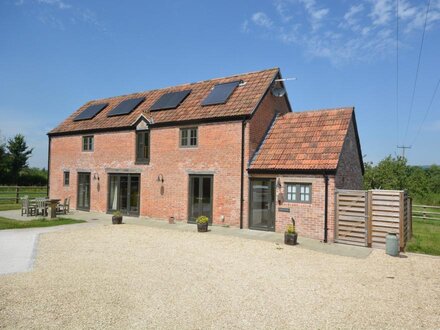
(58, 54)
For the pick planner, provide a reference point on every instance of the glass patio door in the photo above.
(200, 197)
(262, 204)
(124, 193)
(83, 198)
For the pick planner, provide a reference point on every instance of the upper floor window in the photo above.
(142, 146)
(87, 143)
(188, 137)
(66, 178)
(298, 192)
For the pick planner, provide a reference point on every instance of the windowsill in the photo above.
(184, 147)
(142, 162)
(300, 203)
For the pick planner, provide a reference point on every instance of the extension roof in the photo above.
(242, 102)
(305, 141)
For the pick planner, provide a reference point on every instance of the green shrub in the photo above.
(117, 214)
(290, 229)
(202, 219)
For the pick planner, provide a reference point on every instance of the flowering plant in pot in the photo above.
(290, 235)
(202, 223)
(117, 218)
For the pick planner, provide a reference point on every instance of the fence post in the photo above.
(17, 194)
(370, 218)
(410, 217)
(401, 221)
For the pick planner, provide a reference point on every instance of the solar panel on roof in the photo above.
(170, 100)
(91, 111)
(221, 93)
(126, 107)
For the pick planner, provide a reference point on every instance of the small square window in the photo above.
(87, 143)
(298, 192)
(188, 137)
(66, 178)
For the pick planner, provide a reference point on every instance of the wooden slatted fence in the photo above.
(366, 217)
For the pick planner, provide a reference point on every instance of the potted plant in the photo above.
(117, 218)
(202, 224)
(290, 235)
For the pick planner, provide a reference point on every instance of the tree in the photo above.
(3, 163)
(19, 154)
(390, 173)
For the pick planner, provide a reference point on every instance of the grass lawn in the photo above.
(9, 206)
(8, 193)
(426, 237)
(6, 223)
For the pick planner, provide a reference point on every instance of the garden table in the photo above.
(53, 202)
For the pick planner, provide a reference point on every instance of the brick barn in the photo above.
(229, 148)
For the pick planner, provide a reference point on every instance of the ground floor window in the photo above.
(298, 192)
(124, 193)
(66, 178)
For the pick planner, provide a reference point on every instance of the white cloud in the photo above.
(283, 10)
(245, 26)
(351, 18)
(364, 31)
(381, 12)
(59, 13)
(261, 19)
(58, 3)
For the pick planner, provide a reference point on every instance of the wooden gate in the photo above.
(351, 217)
(366, 217)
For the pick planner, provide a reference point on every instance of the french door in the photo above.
(124, 193)
(200, 197)
(262, 204)
(83, 197)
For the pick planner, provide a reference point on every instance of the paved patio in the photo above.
(306, 243)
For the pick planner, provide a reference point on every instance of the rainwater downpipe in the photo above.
(243, 126)
(325, 207)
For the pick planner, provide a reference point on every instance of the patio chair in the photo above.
(64, 207)
(41, 206)
(68, 205)
(26, 207)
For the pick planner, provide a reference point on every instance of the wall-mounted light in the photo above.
(279, 183)
(95, 176)
(160, 178)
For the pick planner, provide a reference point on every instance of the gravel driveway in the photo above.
(138, 277)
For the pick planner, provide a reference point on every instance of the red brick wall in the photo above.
(218, 151)
(309, 218)
(262, 118)
(349, 173)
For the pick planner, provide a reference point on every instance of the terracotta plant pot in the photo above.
(202, 227)
(116, 220)
(290, 239)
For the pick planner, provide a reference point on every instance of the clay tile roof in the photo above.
(242, 102)
(310, 140)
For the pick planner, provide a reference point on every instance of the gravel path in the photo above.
(138, 277)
